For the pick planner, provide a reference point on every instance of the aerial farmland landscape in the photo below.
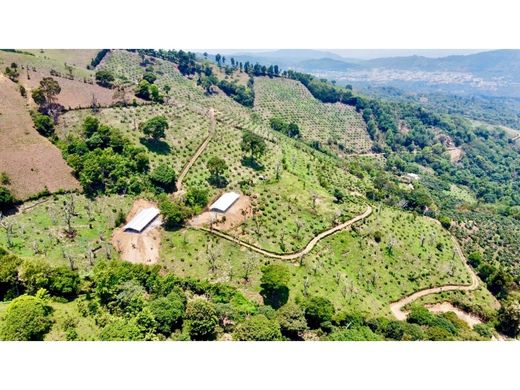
(258, 196)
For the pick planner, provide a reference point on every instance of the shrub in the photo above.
(445, 222)
(509, 318)
(197, 197)
(105, 78)
(44, 124)
(174, 213)
(363, 333)
(258, 328)
(378, 236)
(163, 177)
(10, 285)
(6, 198)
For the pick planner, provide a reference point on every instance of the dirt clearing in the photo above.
(31, 161)
(234, 216)
(445, 307)
(455, 154)
(74, 93)
(139, 247)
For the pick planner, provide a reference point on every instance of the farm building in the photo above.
(141, 220)
(224, 202)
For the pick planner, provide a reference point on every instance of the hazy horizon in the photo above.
(362, 54)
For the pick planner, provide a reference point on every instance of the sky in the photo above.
(362, 53)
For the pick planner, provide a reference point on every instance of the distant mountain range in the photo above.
(493, 73)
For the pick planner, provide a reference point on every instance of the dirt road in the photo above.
(196, 155)
(397, 307)
(295, 255)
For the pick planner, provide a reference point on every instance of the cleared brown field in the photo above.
(74, 93)
(31, 161)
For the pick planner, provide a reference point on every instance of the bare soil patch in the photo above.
(139, 247)
(31, 161)
(455, 154)
(74, 93)
(445, 307)
(234, 216)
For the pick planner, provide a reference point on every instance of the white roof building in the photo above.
(224, 202)
(142, 220)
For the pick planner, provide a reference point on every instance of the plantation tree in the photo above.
(274, 285)
(257, 328)
(249, 267)
(26, 319)
(155, 127)
(202, 319)
(292, 320)
(254, 144)
(217, 167)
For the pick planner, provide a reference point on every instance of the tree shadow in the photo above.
(218, 181)
(275, 297)
(156, 146)
(250, 162)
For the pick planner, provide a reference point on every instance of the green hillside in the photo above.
(323, 243)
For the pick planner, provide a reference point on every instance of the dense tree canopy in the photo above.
(26, 319)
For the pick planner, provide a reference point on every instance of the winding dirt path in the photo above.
(295, 255)
(397, 307)
(199, 151)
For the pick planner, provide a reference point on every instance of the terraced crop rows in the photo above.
(226, 144)
(335, 124)
(187, 129)
(184, 91)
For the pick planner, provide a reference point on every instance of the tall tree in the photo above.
(253, 143)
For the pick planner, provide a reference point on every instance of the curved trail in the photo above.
(291, 256)
(196, 155)
(397, 307)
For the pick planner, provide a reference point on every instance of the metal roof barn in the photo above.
(224, 202)
(142, 219)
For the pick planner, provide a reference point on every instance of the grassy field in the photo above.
(350, 268)
(461, 193)
(48, 60)
(80, 58)
(40, 230)
(336, 125)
